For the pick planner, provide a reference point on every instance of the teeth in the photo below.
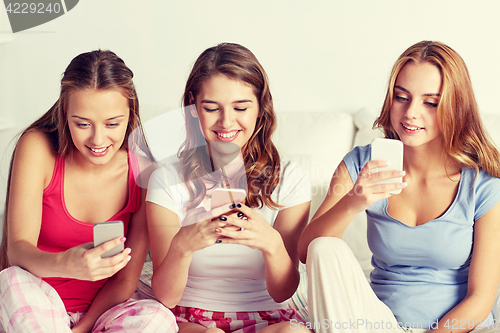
(227, 135)
(412, 128)
(98, 150)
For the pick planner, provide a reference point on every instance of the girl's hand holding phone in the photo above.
(254, 231)
(84, 262)
(367, 188)
(198, 229)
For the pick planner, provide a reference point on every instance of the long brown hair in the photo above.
(99, 70)
(261, 158)
(465, 139)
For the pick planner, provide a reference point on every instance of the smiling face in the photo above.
(228, 110)
(417, 93)
(97, 121)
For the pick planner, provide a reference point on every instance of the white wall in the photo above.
(320, 55)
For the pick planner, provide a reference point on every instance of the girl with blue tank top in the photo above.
(435, 245)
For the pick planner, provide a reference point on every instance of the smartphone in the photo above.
(392, 151)
(107, 231)
(224, 196)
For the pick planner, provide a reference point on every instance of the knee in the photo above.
(150, 306)
(326, 246)
(8, 275)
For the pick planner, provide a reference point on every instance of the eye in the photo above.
(211, 110)
(433, 105)
(240, 109)
(401, 99)
(113, 125)
(83, 125)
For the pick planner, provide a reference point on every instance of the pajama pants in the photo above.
(236, 322)
(29, 304)
(340, 298)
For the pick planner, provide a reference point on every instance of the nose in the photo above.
(227, 117)
(97, 136)
(413, 110)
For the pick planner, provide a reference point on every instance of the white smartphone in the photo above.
(392, 151)
(224, 196)
(107, 231)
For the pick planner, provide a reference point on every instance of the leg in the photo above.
(340, 298)
(286, 327)
(197, 328)
(137, 316)
(28, 304)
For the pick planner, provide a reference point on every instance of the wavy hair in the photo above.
(261, 158)
(465, 138)
(99, 70)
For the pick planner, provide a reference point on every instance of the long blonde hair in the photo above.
(465, 139)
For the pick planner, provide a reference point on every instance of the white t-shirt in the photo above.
(228, 277)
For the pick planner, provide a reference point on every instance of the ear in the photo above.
(192, 110)
(192, 106)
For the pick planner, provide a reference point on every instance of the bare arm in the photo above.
(172, 248)
(31, 173)
(484, 277)
(123, 284)
(345, 200)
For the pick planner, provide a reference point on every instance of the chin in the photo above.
(225, 148)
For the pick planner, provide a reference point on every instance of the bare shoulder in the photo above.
(37, 143)
(35, 154)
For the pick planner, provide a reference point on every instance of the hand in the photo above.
(201, 214)
(365, 192)
(84, 262)
(251, 230)
(198, 230)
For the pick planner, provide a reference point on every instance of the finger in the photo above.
(240, 223)
(385, 175)
(377, 163)
(106, 272)
(234, 234)
(88, 246)
(249, 212)
(118, 259)
(211, 214)
(384, 188)
(217, 224)
(246, 242)
(371, 167)
(106, 246)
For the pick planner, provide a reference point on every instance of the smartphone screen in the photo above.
(392, 151)
(107, 231)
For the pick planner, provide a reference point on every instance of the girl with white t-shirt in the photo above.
(229, 268)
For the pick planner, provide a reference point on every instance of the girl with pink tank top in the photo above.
(71, 170)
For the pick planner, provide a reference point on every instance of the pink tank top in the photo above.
(60, 231)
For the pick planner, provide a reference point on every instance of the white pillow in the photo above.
(316, 140)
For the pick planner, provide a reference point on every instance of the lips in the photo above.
(98, 151)
(227, 136)
(411, 128)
